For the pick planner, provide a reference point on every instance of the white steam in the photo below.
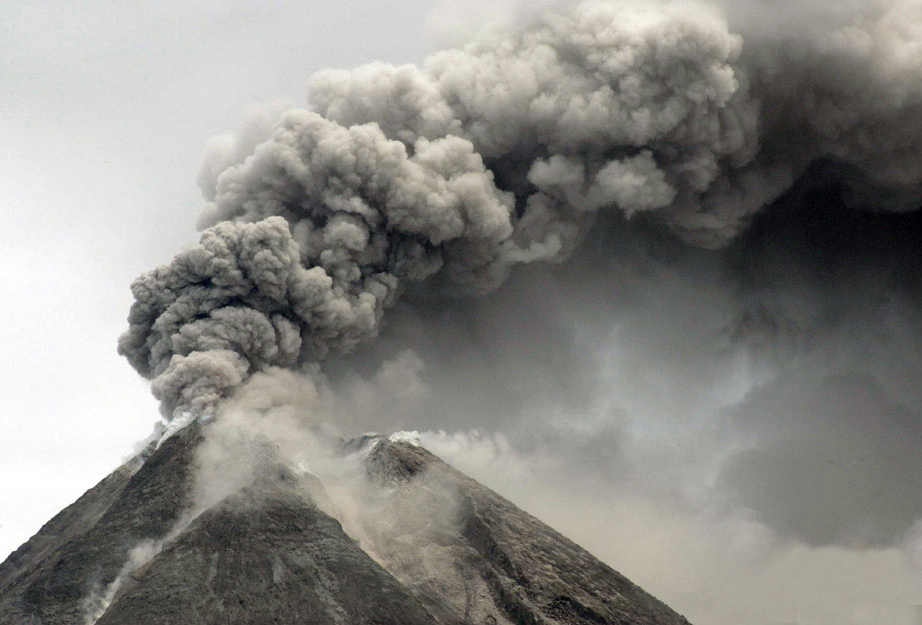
(98, 601)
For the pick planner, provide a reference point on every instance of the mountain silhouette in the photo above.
(434, 547)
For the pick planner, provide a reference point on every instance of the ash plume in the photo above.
(507, 152)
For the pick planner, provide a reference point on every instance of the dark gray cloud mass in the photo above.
(734, 190)
(821, 456)
(502, 153)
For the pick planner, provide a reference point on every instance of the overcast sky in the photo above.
(104, 114)
(105, 111)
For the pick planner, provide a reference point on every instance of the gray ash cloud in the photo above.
(447, 176)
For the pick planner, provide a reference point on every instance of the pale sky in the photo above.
(105, 110)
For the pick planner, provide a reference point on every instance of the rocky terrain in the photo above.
(429, 545)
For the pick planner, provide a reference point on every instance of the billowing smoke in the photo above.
(705, 220)
(446, 176)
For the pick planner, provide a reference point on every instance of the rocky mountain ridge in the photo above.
(430, 546)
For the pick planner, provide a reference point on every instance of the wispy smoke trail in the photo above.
(95, 605)
(503, 153)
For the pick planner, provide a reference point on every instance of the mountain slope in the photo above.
(82, 549)
(509, 565)
(278, 560)
(430, 545)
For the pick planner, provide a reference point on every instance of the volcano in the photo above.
(439, 548)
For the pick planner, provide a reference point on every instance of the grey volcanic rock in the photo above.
(84, 547)
(430, 545)
(279, 560)
(509, 566)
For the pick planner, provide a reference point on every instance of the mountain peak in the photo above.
(416, 542)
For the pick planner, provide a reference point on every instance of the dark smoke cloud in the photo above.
(709, 337)
(503, 153)
(820, 458)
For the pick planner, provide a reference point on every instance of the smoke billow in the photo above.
(502, 153)
(705, 217)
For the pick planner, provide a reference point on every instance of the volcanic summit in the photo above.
(434, 547)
